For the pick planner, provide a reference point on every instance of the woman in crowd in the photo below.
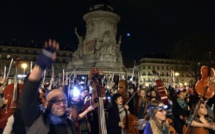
(142, 109)
(157, 123)
(201, 123)
(116, 115)
(180, 110)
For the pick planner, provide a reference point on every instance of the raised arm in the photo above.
(29, 100)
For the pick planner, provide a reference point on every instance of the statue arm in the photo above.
(120, 41)
(77, 33)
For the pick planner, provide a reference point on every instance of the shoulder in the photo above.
(147, 129)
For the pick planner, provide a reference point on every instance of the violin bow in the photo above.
(6, 78)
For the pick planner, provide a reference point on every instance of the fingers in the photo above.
(52, 44)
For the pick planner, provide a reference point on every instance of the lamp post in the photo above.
(24, 66)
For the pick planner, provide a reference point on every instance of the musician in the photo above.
(54, 120)
(157, 123)
(180, 109)
(201, 120)
(78, 113)
(116, 114)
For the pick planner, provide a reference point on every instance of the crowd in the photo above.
(128, 109)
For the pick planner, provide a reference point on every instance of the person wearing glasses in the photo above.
(157, 123)
(53, 120)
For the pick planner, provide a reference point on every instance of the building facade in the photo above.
(170, 71)
(28, 55)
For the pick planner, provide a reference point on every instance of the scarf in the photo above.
(182, 103)
(159, 129)
(55, 120)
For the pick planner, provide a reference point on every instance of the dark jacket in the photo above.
(18, 125)
(113, 121)
(34, 119)
(177, 111)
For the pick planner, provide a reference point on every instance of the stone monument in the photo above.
(99, 47)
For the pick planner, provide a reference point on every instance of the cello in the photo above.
(11, 94)
(130, 120)
(98, 94)
(205, 89)
(161, 89)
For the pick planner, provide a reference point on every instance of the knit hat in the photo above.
(54, 95)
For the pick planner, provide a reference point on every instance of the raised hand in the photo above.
(48, 54)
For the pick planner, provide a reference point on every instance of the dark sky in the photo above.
(155, 25)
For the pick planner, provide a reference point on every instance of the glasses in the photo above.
(58, 102)
(161, 110)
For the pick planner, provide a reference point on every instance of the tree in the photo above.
(195, 51)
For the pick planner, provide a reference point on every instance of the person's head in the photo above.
(157, 110)
(202, 110)
(181, 93)
(117, 99)
(153, 94)
(142, 93)
(56, 102)
(122, 86)
(84, 93)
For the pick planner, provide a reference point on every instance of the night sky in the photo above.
(155, 26)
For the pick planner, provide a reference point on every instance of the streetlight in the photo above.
(24, 66)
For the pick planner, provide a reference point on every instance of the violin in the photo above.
(204, 87)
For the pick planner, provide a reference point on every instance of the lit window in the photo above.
(8, 56)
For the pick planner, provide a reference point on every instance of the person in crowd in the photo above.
(142, 108)
(153, 95)
(142, 104)
(180, 110)
(54, 119)
(126, 95)
(200, 122)
(78, 112)
(157, 123)
(116, 114)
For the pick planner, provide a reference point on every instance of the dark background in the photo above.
(155, 26)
